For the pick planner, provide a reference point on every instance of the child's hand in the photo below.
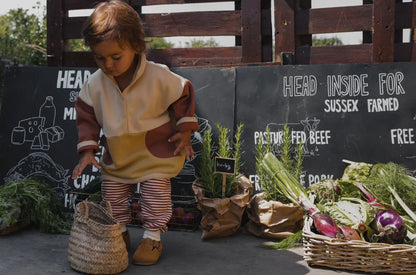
(184, 139)
(87, 158)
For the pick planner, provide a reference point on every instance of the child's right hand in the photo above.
(87, 158)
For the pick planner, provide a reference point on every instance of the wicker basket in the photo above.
(96, 244)
(357, 255)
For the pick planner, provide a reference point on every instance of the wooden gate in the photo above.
(253, 24)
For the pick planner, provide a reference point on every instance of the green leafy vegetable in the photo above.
(391, 176)
(39, 205)
(389, 185)
(291, 159)
(292, 241)
(356, 171)
(352, 212)
(286, 182)
(9, 213)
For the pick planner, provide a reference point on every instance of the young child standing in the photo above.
(146, 115)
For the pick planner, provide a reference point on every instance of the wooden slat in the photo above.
(197, 56)
(171, 57)
(332, 20)
(333, 54)
(191, 24)
(80, 4)
(161, 2)
(383, 31)
(88, 4)
(55, 41)
(174, 24)
(284, 28)
(381, 22)
(251, 31)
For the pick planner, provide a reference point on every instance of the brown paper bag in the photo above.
(273, 219)
(222, 217)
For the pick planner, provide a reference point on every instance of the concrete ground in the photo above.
(29, 252)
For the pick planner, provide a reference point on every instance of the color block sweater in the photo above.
(136, 123)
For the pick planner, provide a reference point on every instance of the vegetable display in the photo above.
(374, 203)
(387, 187)
(297, 194)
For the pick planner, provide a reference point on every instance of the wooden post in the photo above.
(251, 40)
(383, 31)
(55, 40)
(284, 18)
(224, 183)
(305, 39)
(266, 31)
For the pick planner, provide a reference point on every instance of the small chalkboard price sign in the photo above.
(224, 166)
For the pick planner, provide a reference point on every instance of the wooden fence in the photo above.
(250, 23)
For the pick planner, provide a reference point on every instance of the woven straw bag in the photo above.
(357, 255)
(96, 244)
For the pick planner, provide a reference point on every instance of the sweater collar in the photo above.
(141, 66)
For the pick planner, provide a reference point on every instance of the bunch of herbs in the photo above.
(211, 181)
(39, 205)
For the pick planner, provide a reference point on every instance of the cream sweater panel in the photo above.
(143, 104)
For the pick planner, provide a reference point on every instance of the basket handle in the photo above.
(87, 210)
(109, 208)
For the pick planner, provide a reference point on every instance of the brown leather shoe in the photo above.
(126, 239)
(148, 252)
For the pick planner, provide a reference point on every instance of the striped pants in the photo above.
(155, 201)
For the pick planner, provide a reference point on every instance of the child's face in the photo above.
(112, 58)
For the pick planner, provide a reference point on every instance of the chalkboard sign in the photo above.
(225, 165)
(358, 112)
(37, 125)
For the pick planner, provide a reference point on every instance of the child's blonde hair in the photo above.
(114, 20)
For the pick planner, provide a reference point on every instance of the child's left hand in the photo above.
(184, 139)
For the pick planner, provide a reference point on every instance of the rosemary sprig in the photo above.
(212, 181)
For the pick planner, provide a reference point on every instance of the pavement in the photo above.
(34, 253)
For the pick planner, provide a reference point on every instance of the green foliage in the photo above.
(286, 149)
(212, 181)
(237, 148)
(292, 241)
(22, 40)
(387, 176)
(208, 164)
(335, 41)
(78, 45)
(264, 146)
(158, 43)
(39, 205)
(291, 156)
(197, 43)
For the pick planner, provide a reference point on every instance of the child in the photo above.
(146, 115)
